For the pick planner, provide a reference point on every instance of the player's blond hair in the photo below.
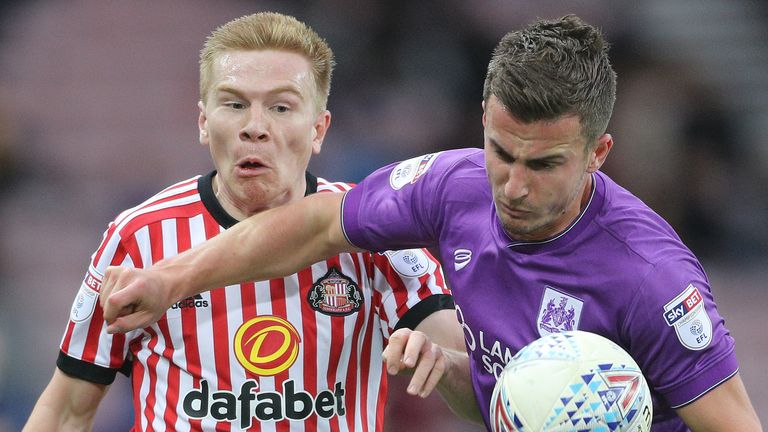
(265, 31)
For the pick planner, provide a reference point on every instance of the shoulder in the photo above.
(166, 204)
(631, 222)
(437, 169)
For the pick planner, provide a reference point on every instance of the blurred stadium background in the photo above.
(97, 112)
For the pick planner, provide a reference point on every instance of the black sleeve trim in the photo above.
(89, 371)
(425, 308)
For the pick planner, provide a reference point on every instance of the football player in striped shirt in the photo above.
(541, 241)
(295, 353)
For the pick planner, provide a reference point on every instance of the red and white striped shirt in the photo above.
(301, 353)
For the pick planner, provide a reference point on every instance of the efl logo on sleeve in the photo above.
(409, 262)
(410, 170)
(686, 313)
(85, 302)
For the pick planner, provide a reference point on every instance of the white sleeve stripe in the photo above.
(705, 391)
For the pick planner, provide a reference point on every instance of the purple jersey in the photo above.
(619, 271)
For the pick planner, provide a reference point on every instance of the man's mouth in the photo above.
(250, 166)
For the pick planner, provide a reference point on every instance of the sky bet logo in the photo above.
(264, 406)
(673, 312)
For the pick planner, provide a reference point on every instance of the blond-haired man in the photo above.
(300, 352)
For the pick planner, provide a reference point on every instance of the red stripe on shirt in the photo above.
(277, 294)
(351, 387)
(149, 408)
(189, 320)
(172, 394)
(398, 287)
(334, 355)
(309, 330)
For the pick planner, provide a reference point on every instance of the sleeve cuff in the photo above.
(89, 371)
(423, 309)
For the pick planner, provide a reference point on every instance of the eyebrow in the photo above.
(274, 91)
(505, 155)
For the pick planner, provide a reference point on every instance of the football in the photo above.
(571, 381)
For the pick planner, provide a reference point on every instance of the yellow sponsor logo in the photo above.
(267, 345)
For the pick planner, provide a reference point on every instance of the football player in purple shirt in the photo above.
(540, 242)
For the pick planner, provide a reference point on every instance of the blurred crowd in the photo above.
(98, 112)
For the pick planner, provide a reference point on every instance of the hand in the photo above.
(132, 298)
(409, 349)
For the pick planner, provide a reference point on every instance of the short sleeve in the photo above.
(87, 351)
(676, 334)
(397, 206)
(411, 285)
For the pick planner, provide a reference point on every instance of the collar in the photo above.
(212, 204)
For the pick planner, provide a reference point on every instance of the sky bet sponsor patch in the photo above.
(86, 299)
(686, 313)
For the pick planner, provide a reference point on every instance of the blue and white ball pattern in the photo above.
(571, 381)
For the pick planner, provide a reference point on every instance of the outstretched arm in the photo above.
(726, 408)
(270, 244)
(67, 404)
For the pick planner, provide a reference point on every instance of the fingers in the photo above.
(117, 303)
(428, 371)
(130, 321)
(108, 284)
(412, 350)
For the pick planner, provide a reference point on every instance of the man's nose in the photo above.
(256, 129)
(517, 182)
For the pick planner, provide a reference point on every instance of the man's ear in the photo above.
(484, 121)
(202, 125)
(598, 154)
(319, 129)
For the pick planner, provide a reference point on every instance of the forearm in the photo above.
(267, 245)
(455, 387)
(67, 404)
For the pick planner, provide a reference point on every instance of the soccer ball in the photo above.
(571, 381)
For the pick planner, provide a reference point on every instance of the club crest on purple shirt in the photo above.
(559, 312)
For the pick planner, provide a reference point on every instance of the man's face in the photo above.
(539, 172)
(261, 124)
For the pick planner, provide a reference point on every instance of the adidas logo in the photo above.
(461, 257)
(195, 301)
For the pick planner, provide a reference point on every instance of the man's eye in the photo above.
(538, 166)
(504, 157)
(235, 105)
(281, 108)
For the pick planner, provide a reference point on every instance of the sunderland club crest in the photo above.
(335, 294)
(559, 312)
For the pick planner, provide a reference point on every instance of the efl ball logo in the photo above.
(267, 345)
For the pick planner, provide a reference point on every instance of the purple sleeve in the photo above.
(396, 206)
(677, 335)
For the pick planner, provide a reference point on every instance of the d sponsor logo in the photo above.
(266, 345)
